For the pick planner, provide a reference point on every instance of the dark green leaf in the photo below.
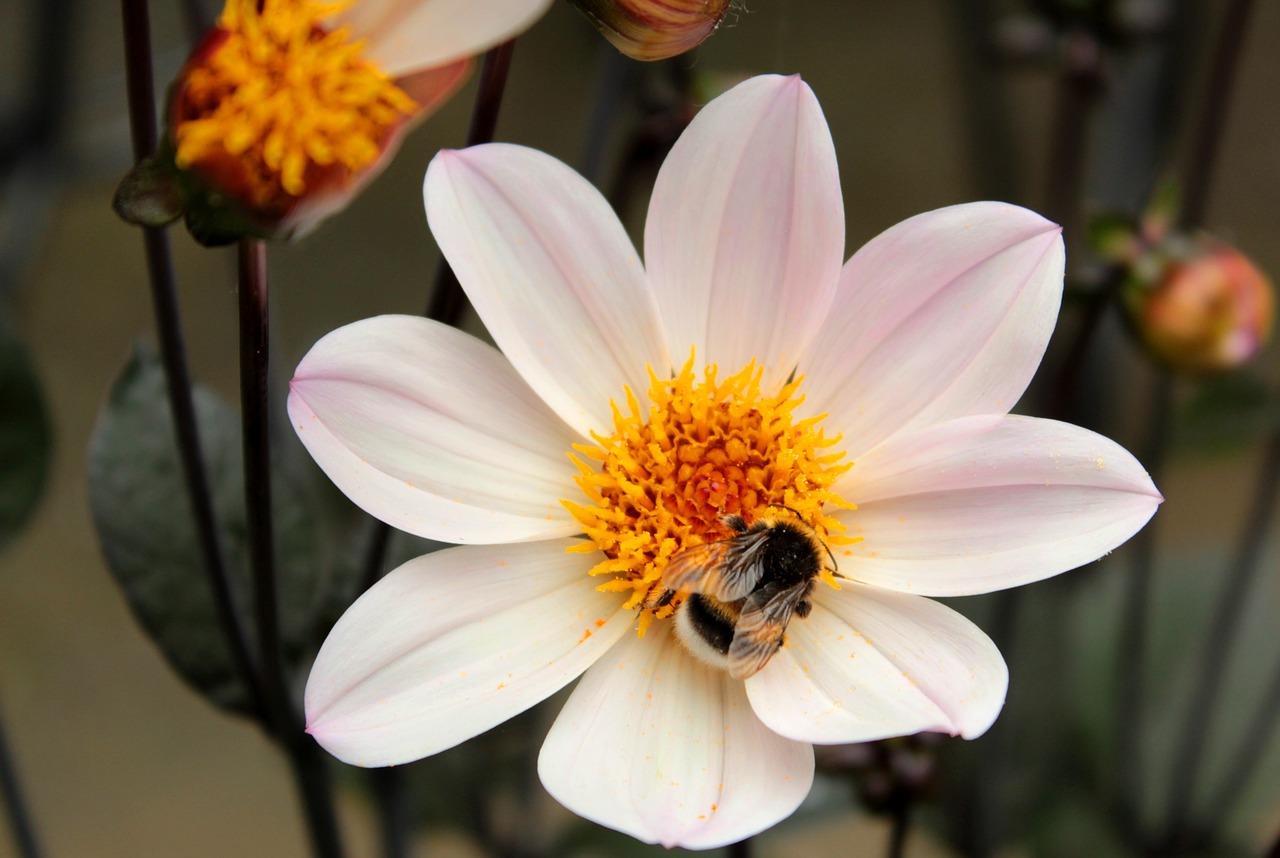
(140, 506)
(25, 439)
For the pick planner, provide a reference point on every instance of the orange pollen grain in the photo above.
(285, 93)
(703, 448)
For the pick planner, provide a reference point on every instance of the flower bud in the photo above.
(654, 29)
(1207, 310)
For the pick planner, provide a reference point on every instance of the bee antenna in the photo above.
(790, 510)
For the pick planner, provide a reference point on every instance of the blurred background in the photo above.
(930, 102)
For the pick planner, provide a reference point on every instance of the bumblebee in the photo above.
(741, 592)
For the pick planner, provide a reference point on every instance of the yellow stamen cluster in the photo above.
(280, 92)
(707, 448)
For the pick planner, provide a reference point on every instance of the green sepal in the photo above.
(151, 194)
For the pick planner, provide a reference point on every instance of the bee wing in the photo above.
(758, 632)
(727, 570)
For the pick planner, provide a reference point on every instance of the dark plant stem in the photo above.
(310, 768)
(988, 138)
(393, 810)
(900, 818)
(447, 302)
(309, 765)
(983, 818)
(1196, 183)
(615, 78)
(1065, 397)
(741, 849)
(1249, 753)
(254, 409)
(1131, 653)
(375, 557)
(1222, 639)
(24, 832)
(1208, 135)
(1079, 91)
(173, 353)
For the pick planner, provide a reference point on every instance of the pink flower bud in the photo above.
(654, 29)
(1208, 311)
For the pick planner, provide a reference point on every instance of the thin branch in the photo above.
(137, 36)
(901, 821)
(254, 362)
(1196, 184)
(1131, 652)
(393, 810)
(1222, 640)
(24, 833)
(1208, 138)
(309, 765)
(1249, 753)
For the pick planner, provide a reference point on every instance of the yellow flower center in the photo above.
(708, 448)
(280, 93)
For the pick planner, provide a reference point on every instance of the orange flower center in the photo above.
(282, 94)
(707, 448)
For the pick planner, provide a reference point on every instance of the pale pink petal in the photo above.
(984, 503)
(433, 432)
(551, 273)
(831, 684)
(456, 642)
(944, 315)
(746, 228)
(657, 745)
(948, 659)
(403, 36)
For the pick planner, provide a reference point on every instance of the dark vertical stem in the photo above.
(254, 407)
(309, 766)
(1249, 753)
(375, 557)
(900, 818)
(1065, 397)
(1131, 654)
(447, 302)
(1079, 89)
(614, 78)
(741, 849)
(34, 128)
(393, 810)
(984, 818)
(988, 136)
(1222, 639)
(1217, 98)
(24, 833)
(311, 773)
(1189, 754)
(137, 36)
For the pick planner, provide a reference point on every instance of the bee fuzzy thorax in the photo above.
(711, 468)
(744, 591)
